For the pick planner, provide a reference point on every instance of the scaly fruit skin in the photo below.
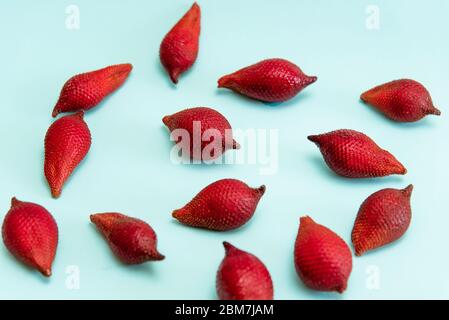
(84, 91)
(271, 80)
(242, 276)
(223, 205)
(31, 235)
(323, 260)
(352, 154)
(133, 241)
(66, 144)
(402, 100)
(209, 121)
(179, 48)
(383, 218)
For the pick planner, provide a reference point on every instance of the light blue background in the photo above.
(128, 167)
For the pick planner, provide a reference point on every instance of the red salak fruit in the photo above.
(31, 235)
(179, 48)
(133, 241)
(208, 132)
(223, 205)
(352, 154)
(383, 218)
(242, 276)
(84, 91)
(401, 100)
(323, 260)
(271, 80)
(66, 144)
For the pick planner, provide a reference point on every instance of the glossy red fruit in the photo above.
(352, 154)
(179, 48)
(271, 80)
(323, 260)
(242, 276)
(197, 127)
(133, 241)
(402, 100)
(223, 205)
(66, 144)
(84, 91)
(31, 235)
(383, 218)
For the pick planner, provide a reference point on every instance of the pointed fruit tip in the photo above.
(408, 190)
(174, 75)
(128, 66)
(46, 272)
(364, 96)
(158, 257)
(306, 220)
(434, 111)
(178, 213)
(311, 79)
(196, 6)
(342, 288)
(223, 82)
(122, 69)
(194, 12)
(358, 251)
(55, 112)
(228, 247)
(261, 190)
(166, 120)
(55, 193)
(313, 138)
(403, 170)
(14, 201)
(93, 218)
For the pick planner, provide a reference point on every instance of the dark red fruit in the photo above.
(383, 218)
(242, 276)
(223, 205)
(323, 260)
(402, 100)
(84, 91)
(208, 126)
(352, 154)
(133, 241)
(179, 48)
(66, 144)
(31, 235)
(271, 80)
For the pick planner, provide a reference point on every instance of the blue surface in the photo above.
(128, 168)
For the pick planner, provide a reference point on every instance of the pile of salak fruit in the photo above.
(322, 259)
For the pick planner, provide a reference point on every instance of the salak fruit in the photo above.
(401, 100)
(133, 241)
(383, 218)
(179, 48)
(323, 260)
(223, 205)
(352, 154)
(271, 80)
(66, 144)
(203, 133)
(84, 91)
(31, 235)
(242, 276)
